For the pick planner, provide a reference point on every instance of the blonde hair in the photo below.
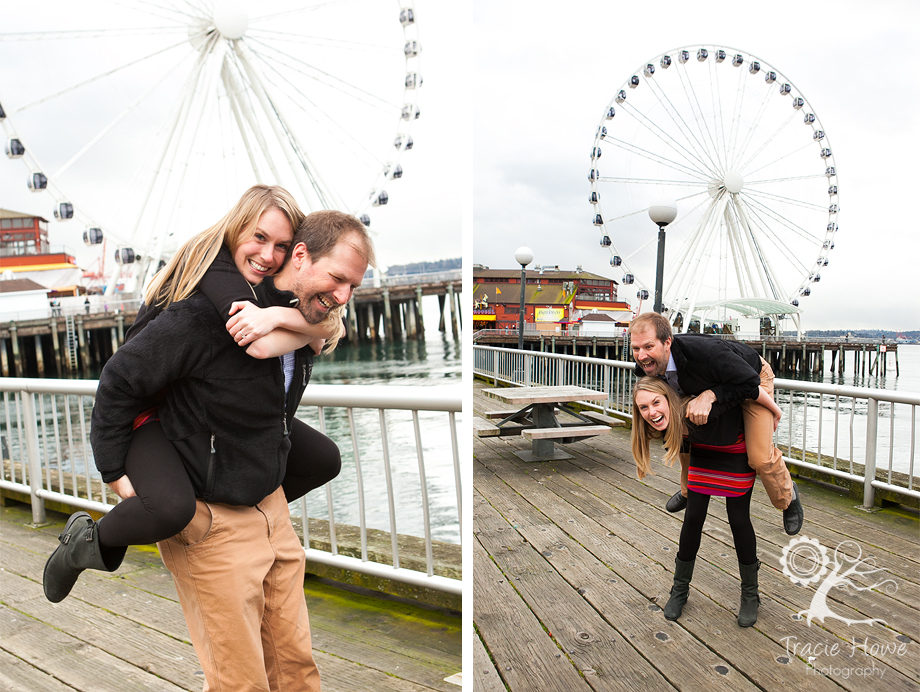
(180, 277)
(337, 313)
(642, 432)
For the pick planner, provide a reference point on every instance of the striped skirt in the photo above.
(721, 471)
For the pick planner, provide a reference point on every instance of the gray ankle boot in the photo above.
(750, 596)
(79, 550)
(683, 573)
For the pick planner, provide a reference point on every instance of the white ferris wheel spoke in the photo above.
(785, 253)
(650, 181)
(97, 77)
(158, 10)
(752, 130)
(105, 130)
(765, 142)
(722, 144)
(769, 285)
(788, 154)
(241, 108)
(76, 34)
(656, 158)
(733, 239)
(329, 123)
(780, 244)
(179, 117)
(323, 196)
(795, 228)
(352, 91)
(355, 46)
(762, 181)
(682, 126)
(300, 10)
(697, 116)
(788, 200)
(736, 116)
(332, 126)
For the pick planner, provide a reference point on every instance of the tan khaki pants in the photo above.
(239, 573)
(763, 457)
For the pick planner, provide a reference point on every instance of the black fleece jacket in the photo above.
(225, 411)
(729, 368)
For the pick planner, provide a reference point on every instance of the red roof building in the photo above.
(553, 299)
(25, 251)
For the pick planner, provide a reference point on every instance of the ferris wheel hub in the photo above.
(733, 182)
(231, 19)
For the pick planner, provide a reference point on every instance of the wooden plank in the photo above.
(74, 662)
(569, 431)
(485, 677)
(394, 636)
(338, 675)
(484, 428)
(147, 649)
(598, 417)
(524, 396)
(604, 656)
(18, 676)
(497, 414)
(525, 656)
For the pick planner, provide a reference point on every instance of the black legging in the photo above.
(739, 518)
(165, 500)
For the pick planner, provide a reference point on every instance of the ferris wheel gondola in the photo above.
(754, 178)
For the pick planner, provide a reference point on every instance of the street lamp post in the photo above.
(661, 212)
(524, 256)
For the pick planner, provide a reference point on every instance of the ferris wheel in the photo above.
(745, 156)
(144, 130)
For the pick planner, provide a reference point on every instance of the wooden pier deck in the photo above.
(574, 559)
(125, 631)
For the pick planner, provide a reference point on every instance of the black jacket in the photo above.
(222, 283)
(729, 368)
(224, 410)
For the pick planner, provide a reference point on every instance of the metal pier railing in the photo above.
(44, 440)
(821, 422)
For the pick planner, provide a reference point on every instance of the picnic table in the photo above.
(537, 420)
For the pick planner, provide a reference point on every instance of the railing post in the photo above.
(871, 446)
(527, 365)
(35, 469)
(496, 356)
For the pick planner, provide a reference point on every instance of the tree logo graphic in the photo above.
(805, 561)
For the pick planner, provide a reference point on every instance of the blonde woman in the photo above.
(718, 466)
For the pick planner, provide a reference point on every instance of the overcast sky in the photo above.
(423, 218)
(544, 77)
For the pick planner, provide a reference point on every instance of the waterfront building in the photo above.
(27, 254)
(554, 300)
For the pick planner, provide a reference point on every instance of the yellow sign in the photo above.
(549, 314)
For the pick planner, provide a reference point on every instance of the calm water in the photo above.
(429, 363)
(894, 422)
